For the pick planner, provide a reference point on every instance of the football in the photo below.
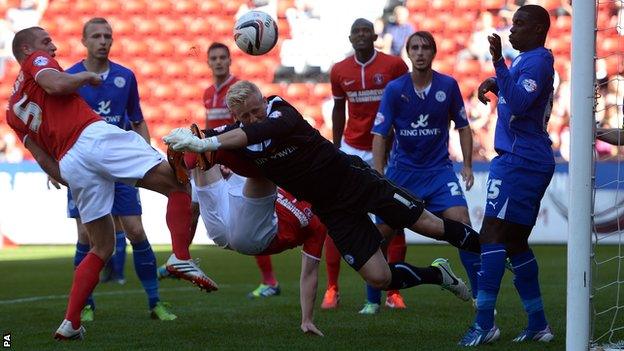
(255, 33)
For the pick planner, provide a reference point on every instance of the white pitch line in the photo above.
(106, 293)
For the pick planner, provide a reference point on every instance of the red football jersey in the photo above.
(362, 84)
(217, 113)
(53, 122)
(297, 224)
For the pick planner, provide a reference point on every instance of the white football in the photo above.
(255, 33)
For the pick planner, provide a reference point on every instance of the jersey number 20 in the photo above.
(24, 113)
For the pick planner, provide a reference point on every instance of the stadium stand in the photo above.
(165, 42)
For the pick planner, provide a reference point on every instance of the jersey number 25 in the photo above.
(24, 113)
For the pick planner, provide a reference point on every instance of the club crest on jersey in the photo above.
(275, 114)
(379, 118)
(529, 85)
(120, 82)
(40, 61)
(440, 96)
(378, 79)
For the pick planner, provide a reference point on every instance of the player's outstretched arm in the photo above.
(60, 83)
(308, 284)
(45, 161)
(181, 139)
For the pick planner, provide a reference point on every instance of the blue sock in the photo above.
(145, 267)
(527, 284)
(373, 295)
(81, 252)
(492, 269)
(472, 264)
(119, 257)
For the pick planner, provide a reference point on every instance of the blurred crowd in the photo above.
(318, 37)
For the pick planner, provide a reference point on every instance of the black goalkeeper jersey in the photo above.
(294, 155)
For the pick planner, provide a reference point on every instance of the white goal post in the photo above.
(578, 318)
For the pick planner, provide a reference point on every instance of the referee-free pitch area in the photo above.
(35, 281)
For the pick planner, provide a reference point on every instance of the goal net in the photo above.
(607, 214)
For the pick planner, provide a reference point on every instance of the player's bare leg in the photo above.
(86, 275)
(161, 179)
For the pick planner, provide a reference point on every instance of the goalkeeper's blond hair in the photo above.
(239, 92)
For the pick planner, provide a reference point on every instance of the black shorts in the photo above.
(346, 216)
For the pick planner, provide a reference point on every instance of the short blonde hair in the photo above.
(239, 92)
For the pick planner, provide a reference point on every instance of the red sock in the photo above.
(264, 263)
(179, 223)
(86, 277)
(332, 259)
(396, 253)
(397, 249)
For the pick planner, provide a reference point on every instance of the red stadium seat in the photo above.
(68, 27)
(174, 69)
(160, 48)
(322, 91)
(134, 48)
(121, 26)
(297, 92)
(134, 7)
(417, 6)
(160, 7)
(271, 89)
(432, 24)
(441, 6)
(164, 92)
(84, 7)
(470, 68)
(170, 26)
(147, 69)
(185, 7)
(467, 5)
(146, 27)
(209, 7)
(493, 4)
(109, 8)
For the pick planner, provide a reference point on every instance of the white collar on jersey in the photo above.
(424, 92)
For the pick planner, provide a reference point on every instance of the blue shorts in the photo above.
(515, 188)
(439, 189)
(127, 202)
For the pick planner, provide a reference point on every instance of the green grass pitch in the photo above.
(36, 280)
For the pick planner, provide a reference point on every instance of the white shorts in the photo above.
(246, 225)
(102, 155)
(365, 155)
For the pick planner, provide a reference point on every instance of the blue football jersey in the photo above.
(525, 98)
(421, 126)
(116, 99)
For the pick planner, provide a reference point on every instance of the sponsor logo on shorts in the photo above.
(120, 82)
(404, 201)
(349, 259)
(440, 96)
(40, 61)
